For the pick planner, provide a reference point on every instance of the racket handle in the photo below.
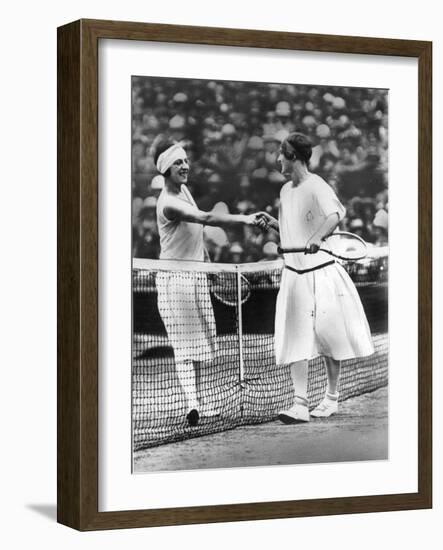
(281, 250)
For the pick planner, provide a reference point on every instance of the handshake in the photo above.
(262, 220)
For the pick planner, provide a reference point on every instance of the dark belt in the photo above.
(301, 271)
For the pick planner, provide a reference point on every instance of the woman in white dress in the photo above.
(319, 312)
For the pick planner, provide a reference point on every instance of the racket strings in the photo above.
(346, 246)
(229, 289)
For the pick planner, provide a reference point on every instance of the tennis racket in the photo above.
(225, 287)
(341, 245)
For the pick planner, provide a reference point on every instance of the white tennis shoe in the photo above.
(325, 408)
(296, 414)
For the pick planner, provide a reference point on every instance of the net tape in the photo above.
(232, 348)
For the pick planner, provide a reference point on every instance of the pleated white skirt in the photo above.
(320, 313)
(186, 310)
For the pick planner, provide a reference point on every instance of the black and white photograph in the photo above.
(259, 274)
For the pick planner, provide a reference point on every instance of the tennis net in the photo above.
(221, 317)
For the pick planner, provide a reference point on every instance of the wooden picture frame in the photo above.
(77, 458)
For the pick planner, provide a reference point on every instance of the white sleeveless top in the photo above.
(303, 209)
(179, 240)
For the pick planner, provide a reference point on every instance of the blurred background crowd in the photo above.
(232, 132)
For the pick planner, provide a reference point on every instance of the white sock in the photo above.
(332, 396)
(187, 378)
(299, 375)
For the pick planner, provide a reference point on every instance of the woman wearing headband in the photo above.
(183, 297)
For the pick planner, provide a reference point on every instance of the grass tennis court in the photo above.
(358, 432)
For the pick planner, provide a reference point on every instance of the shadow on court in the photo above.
(358, 432)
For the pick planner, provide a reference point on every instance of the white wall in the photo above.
(28, 218)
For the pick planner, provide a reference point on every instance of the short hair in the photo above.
(161, 147)
(297, 146)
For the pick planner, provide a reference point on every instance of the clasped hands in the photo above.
(263, 220)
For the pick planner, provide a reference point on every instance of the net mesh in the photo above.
(188, 343)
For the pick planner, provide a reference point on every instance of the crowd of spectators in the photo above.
(232, 133)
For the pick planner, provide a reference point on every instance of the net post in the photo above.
(240, 327)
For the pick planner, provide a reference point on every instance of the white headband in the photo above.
(168, 157)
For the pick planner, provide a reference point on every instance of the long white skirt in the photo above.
(320, 313)
(186, 310)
